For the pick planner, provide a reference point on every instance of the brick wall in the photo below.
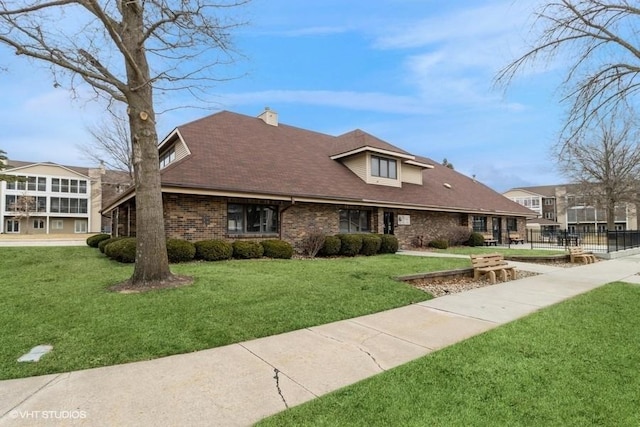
(194, 218)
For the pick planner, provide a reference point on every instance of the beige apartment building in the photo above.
(50, 198)
(562, 207)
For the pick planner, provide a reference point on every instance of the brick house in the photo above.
(230, 176)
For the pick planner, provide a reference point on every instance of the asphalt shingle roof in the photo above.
(234, 152)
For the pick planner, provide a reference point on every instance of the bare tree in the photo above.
(110, 145)
(604, 162)
(126, 51)
(22, 208)
(598, 40)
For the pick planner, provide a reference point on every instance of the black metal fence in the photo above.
(596, 241)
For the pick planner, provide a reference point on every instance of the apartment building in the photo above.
(48, 198)
(564, 207)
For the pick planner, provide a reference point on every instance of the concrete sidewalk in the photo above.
(240, 384)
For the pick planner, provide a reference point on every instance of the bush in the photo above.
(350, 244)
(246, 249)
(331, 246)
(458, 236)
(93, 241)
(179, 250)
(213, 250)
(312, 243)
(122, 250)
(476, 239)
(105, 242)
(370, 244)
(439, 244)
(389, 244)
(277, 249)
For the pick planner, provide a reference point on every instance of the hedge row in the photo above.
(359, 244)
(123, 249)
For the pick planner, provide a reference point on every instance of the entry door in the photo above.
(388, 222)
(497, 229)
(12, 226)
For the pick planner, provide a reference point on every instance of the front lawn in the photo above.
(572, 364)
(60, 296)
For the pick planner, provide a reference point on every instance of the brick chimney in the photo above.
(269, 117)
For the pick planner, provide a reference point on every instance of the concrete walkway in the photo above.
(240, 384)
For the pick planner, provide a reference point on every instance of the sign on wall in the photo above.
(404, 219)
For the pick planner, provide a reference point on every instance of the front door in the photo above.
(497, 229)
(388, 222)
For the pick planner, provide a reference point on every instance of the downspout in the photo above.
(281, 215)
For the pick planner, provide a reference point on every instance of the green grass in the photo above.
(572, 364)
(60, 296)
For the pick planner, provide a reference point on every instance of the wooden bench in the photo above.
(515, 238)
(490, 264)
(577, 254)
(489, 240)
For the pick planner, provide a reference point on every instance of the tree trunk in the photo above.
(152, 264)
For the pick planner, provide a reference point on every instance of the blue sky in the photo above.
(415, 73)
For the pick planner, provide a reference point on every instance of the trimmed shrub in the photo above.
(93, 241)
(277, 249)
(105, 242)
(439, 244)
(247, 249)
(213, 250)
(459, 235)
(312, 243)
(179, 250)
(331, 246)
(476, 239)
(122, 250)
(370, 244)
(389, 244)
(350, 244)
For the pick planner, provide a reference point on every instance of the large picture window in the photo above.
(384, 168)
(252, 219)
(480, 224)
(68, 205)
(354, 221)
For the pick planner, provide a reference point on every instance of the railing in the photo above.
(595, 241)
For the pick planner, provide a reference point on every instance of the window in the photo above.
(82, 186)
(31, 183)
(80, 226)
(73, 186)
(512, 224)
(41, 204)
(384, 168)
(480, 224)
(10, 203)
(57, 224)
(68, 205)
(354, 221)
(13, 226)
(38, 224)
(252, 218)
(548, 202)
(55, 185)
(42, 184)
(64, 185)
(167, 158)
(549, 215)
